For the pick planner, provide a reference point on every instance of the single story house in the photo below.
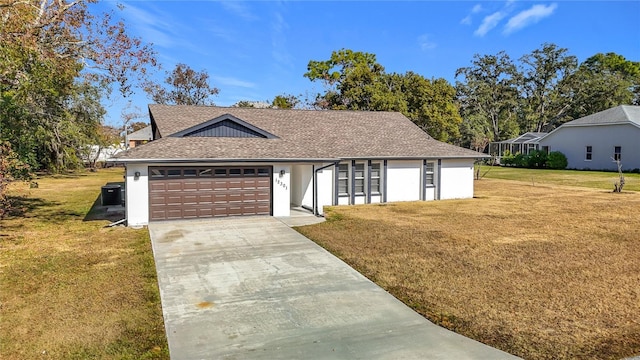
(207, 161)
(595, 141)
(140, 137)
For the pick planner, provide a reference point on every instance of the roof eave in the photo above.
(226, 160)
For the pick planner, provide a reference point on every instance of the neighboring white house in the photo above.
(213, 161)
(93, 154)
(594, 141)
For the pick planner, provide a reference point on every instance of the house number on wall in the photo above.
(282, 184)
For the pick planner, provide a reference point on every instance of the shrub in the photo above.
(520, 160)
(556, 160)
(507, 158)
(536, 159)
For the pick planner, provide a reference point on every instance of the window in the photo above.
(174, 173)
(204, 172)
(157, 173)
(428, 174)
(220, 172)
(375, 178)
(589, 153)
(359, 178)
(545, 149)
(263, 172)
(249, 172)
(617, 153)
(235, 172)
(343, 179)
(189, 172)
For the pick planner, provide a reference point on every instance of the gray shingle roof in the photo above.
(302, 134)
(142, 134)
(616, 115)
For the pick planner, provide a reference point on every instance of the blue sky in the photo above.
(255, 50)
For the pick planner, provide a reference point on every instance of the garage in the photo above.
(206, 192)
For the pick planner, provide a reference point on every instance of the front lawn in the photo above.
(71, 288)
(591, 179)
(542, 272)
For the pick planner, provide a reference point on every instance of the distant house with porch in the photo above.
(523, 144)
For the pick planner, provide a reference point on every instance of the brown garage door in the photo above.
(203, 192)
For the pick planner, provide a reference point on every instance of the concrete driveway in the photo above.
(253, 288)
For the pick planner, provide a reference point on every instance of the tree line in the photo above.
(493, 99)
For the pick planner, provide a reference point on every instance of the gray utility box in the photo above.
(111, 195)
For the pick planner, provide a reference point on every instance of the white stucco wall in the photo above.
(572, 142)
(137, 195)
(302, 185)
(281, 190)
(325, 183)
(456, 179)
(403, 180)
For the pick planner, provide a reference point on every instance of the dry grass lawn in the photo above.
(542, 272)
(70, 288)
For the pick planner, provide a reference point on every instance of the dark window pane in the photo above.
(220, 172)
(375, 185)
(428, 179)
(342, 187)
(250, 172)
(235, 172)
(375, 170)
(204, 172)
(157, 173)
(263, 172)
(429, 167)
(173, 172)
(189, 172)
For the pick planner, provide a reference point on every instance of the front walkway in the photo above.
(253, 288)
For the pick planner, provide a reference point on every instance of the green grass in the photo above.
(590, 179)
(71, 288)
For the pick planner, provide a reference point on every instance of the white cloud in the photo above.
(466, 20)
(238, 8)
(476, 9)
(279, 50)
(153, 26)
(231, 81)
(489, 22)
(528, 17)
(425, 42)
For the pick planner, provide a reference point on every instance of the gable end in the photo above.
(225, 126)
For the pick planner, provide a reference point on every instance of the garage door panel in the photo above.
(205, 199)
(218, 192)
(173, 186)
(173, 199)
(205, 185)
(190, 186)
(190, 199)
(235, 184)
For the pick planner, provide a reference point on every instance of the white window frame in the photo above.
(359, 184)
(343, 178)
(375, 190)
(429, 174)
(617, 153)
